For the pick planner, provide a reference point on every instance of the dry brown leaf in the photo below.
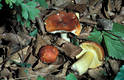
(13, 67)
(61, 3)
(114, 65)
(109, 10)
(41, 41)
(83, 35)
(68, 48)
(16, 39)
(109, 6)
(52, 77)
(4, 72)
(106, 13)
(39, 66)
(122, 11)
(81, 1)
(71, 50)
(88, 21)
(1, 60)
(97, 73)
(119, 19)
(93, 10)
(93, 2)
(22, 72)
(60, 60)
(2, 29)
(64, 70)
(31, 59)
(22, 53)
(77, 7)
(47, 70)
(118, 4)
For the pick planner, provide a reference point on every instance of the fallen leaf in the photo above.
(118, 4)
(97, 74)
(114, 65)
(31, 59)
(4, 72)
(40, 65)
(76, 7)
(68, 48)
(64, 70)
(81, 1)
(47, 70)
(16, 56)
(62, 3)
(41, 41)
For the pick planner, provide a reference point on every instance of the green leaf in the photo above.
(33, 33)
(31, 4)
(118, 28)
(28, 24)
(33, 12)
(120, 75)
(42, 3)
(40, 78)
(24, 11)
(18, 17)
(29, 10)
(1, 6)
(26, 71)
(18, 2)
(71, 76)
(10, 2)
(114, 46)
(95, 36)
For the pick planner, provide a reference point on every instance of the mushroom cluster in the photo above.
(63, 22)
(92, 56)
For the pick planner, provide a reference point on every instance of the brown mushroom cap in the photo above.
(63, 21)
(48, 54)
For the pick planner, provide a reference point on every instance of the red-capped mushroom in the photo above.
(63, 22)
(48, 54)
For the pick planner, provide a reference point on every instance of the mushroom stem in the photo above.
(82, 65)
(64, 36)
(81, 53)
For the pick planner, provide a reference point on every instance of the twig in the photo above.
(41, 25)
(31, 76)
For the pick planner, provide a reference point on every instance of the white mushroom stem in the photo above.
(81, 53)
(64, 36)
(82, 65)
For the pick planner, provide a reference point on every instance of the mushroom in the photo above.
(91, 56)
(63, 22)
(48, 54)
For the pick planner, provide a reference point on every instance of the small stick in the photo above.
(41, 25)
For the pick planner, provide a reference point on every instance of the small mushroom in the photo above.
(48, 54)
(63, 22)
(91, 56)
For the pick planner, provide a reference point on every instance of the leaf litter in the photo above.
(19, 47)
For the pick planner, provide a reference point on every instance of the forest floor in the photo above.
(20, 46)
